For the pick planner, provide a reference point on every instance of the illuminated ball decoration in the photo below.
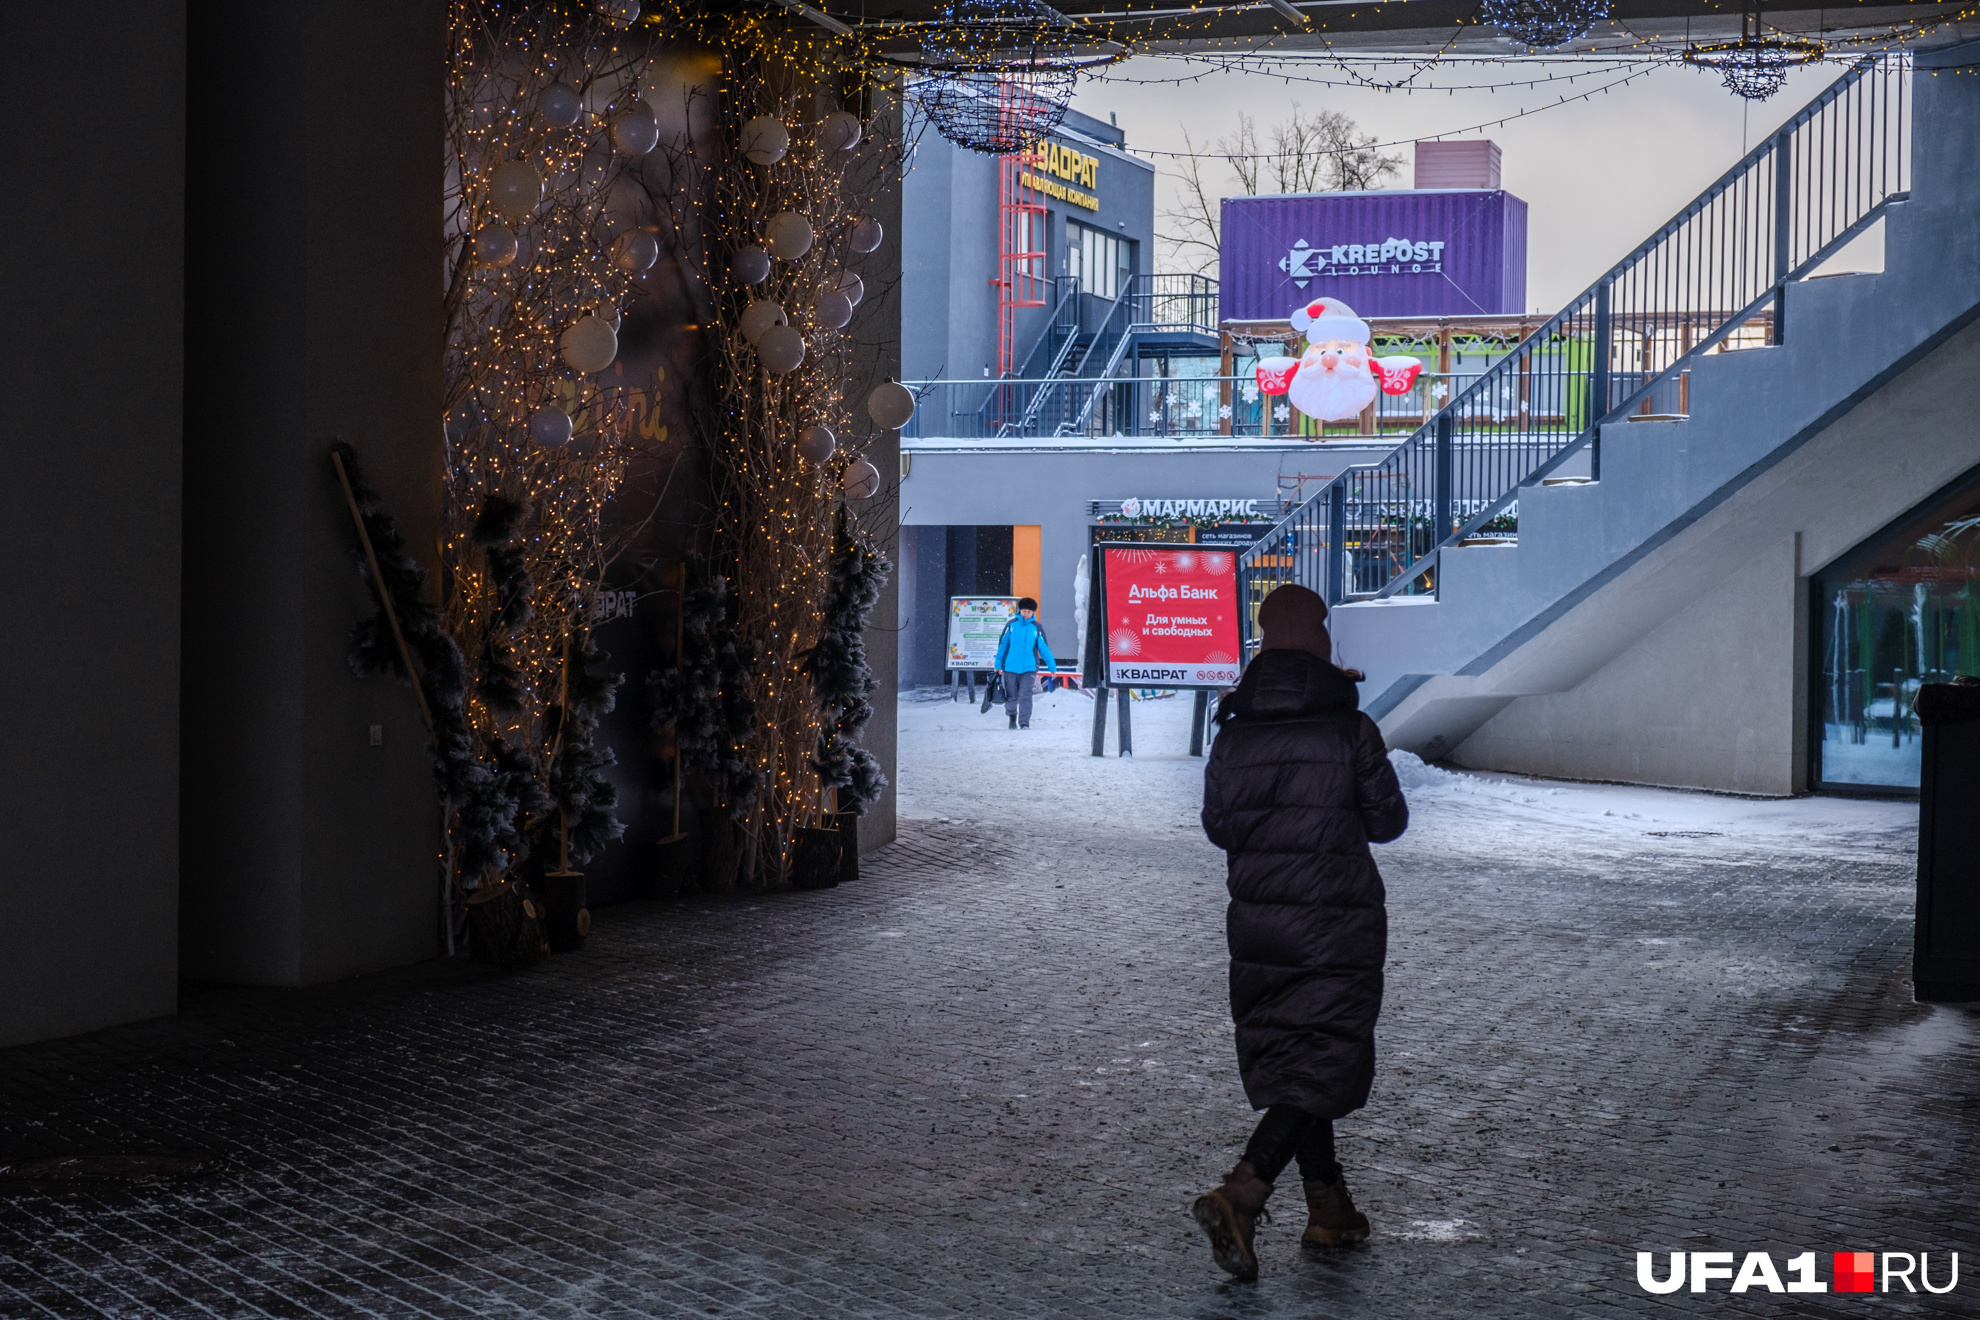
(866, 236)
(1545, 24)
(515, 188)
(861, 481)
(816, 442)
(635, 130)
(765, 139)
(494, 245)
(559, 105)
(589, 345)
(788, 235)
(759, 316)
(891, 404)
(1001, 73)
(780, 349)
(550, 427)
(606, 313)
(834, 310)
(635, 251)
(751, 266)
(841, 131)
(847, 283)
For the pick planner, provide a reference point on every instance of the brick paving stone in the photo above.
(987, 1079)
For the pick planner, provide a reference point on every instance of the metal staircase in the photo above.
(1722, 263)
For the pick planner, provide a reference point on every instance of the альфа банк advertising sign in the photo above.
(1172, 616)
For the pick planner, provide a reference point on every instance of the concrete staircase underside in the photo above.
(1791, 456)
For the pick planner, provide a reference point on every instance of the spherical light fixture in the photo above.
(559, 105)
(550, 427)
(635, 251)
(759, 316)
(780, 349)
(635, 130)
(816, 442)
(834, 309)
(751, 266)
(849, 284)
(515, 188)
(861, 481)
(494, 246)
(841, 131)
(891, 404)
(866, 236)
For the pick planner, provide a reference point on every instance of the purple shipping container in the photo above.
(1443, 252)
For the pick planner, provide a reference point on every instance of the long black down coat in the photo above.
(1297, 787)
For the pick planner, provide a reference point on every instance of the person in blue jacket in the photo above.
(1020, 652)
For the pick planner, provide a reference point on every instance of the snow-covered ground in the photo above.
(959, 764)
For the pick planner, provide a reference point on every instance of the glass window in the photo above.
(1099, 260)
(1893, 614)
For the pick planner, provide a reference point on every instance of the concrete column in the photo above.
(313, 266)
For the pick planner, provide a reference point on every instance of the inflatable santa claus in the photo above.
(1336, 378)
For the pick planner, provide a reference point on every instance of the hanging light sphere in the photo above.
(816, 442)
(841, 131)
(635, 251)
(559, 105)
(515, 188)
(589, 345)
(780, 349)
(759, 316)
(765, 139)
(635, 130)
(494, 245)
(550, 427)
(847, 283)
(608, 314)
(834, 310)
(891, 404)
(1545, 24)
(788, 235)
(866, 236)
(752, 265)
(862, 480)
(619, 13)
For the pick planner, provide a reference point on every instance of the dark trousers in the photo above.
(1287, 1133)
(1017, 695)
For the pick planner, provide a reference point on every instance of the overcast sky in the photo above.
(1597, 176)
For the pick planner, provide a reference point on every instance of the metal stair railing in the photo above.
(1147, 304)
(1723, 261)
(1061, 321)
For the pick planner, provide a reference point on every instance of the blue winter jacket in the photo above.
(1022, 647)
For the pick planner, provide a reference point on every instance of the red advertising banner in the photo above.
(1172, 616)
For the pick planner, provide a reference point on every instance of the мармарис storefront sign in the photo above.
(1392, 256)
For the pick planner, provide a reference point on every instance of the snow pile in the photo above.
(1412, 771)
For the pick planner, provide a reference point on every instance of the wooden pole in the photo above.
(384, 596)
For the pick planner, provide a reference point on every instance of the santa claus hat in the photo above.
(1330, 318)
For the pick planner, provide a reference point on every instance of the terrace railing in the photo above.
(1727, 258)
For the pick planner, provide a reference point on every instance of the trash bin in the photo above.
(1946, 960)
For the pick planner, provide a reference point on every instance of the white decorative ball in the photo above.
(841, 131)
(515, 187)
(635, 130)
(866, 236)
(816, 442)
(635, 251)
(861, 481)
(834, 310)
(891, 404)
(559, 105)
(759, 316)
(590, 345)
(495, 245)
(765, 139)
(608, 314)
(752, 265)
(550, 426)
(780, 349)
(788, 235)
(849, 284)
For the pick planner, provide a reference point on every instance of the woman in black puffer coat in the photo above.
(1298, 786)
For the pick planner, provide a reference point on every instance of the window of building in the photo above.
(1899, 611)
(1100, 261)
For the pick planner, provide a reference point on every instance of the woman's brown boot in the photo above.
(1230, 1216)
(1331, 1219)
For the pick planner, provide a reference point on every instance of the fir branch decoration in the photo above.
(705, 698)
(840, 676)
(585, 800)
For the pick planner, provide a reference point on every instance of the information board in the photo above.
(1172, 616)
(976, 623)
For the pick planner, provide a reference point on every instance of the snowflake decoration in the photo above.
(1442, 391)
(1282, 413)
(1249, 393)
(1195, 408)
(1155, 414)
(1224, 412)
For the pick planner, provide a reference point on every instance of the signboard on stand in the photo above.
(1172, 616)
(976, 624)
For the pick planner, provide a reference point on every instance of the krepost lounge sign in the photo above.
(1172, 616)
